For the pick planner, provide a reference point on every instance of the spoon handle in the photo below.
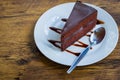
(77, 60)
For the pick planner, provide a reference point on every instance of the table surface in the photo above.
(21, 60)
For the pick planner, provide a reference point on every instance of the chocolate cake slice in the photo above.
(81, 20)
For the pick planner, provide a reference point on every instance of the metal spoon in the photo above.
(95, 38)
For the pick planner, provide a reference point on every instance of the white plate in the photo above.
(53, 16)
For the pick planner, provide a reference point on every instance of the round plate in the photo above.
(52, 17)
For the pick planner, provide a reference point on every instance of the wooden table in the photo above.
(21, 60)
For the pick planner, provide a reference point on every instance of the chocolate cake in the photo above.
(82, 19)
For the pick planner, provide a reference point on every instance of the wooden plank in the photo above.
(21, 60)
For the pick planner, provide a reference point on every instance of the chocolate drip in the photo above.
(91, 31)
(90, 47)
(54, 43)
(81, 44)
(88, 35)
(74, 53)
(56, 29)
(99, 22)
(64, 19)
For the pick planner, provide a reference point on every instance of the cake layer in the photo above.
(77, 35)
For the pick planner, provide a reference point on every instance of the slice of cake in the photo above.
(81, 20)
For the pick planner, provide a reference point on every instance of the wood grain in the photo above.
(21, 60)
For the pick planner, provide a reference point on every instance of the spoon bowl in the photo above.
(97, 36)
